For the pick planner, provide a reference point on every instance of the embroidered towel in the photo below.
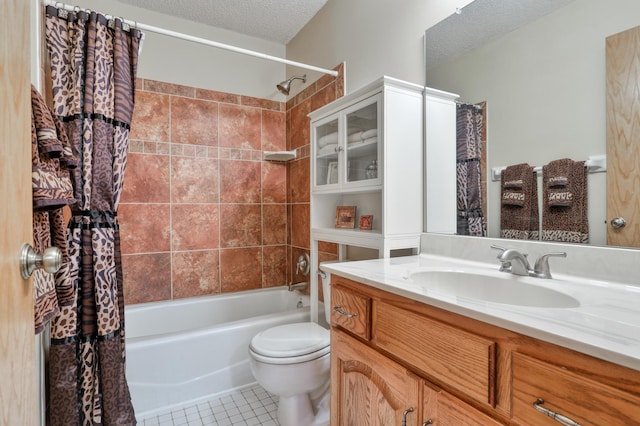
(52, 189)
(564, 206)
(519, 207)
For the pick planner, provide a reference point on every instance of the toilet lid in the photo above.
(290, 340)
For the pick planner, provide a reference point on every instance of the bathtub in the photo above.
(185, 351)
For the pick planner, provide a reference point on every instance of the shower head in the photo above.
(284, 86)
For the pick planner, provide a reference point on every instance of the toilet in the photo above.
(292, 361)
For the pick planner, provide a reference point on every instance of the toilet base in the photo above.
(297, 410)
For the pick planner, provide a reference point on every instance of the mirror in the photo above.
(541, 71)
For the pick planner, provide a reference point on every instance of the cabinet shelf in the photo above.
(353, 237)
(355, 149)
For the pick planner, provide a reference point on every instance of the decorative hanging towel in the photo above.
(564, 205)
(51, 161)
(519, 203)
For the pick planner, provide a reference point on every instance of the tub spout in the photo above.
(301, 286)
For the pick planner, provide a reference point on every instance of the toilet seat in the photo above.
(290, 343)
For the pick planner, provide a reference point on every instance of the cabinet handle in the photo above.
(338, 149)
(404, 415)
(428, 422)
(555, 416)
(344, 313)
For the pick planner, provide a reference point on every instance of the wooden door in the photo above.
(17, 352)
(369, 389)
(623, 137)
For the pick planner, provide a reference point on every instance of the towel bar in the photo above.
(595, 164)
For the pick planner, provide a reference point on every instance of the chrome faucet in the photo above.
(516, 262)
(513, 260)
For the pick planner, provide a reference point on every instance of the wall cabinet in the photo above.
(453, 370)
(367, 151)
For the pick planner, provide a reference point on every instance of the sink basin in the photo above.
(502, 288)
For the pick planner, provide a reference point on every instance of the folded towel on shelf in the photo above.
(52, 189)
(354, 137)
(327, 149)
(519, 206)
(564, 206)
(331, 138)
(372, 139)
(369, 133)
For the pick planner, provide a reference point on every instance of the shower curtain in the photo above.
(471, 220)
(93, 67)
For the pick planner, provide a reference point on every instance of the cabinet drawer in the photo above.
(351, 311)
(454, 357)
(577, 397)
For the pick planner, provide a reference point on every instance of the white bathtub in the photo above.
(184, 351)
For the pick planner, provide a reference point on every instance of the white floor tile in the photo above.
(250, 407)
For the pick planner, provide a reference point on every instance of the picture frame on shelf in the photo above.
(345, 217)
(332, 173)
(366, 222)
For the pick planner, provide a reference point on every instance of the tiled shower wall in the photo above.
(325, 90)
(201, 212)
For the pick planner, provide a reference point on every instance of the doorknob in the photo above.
(50, 260)
(618, 222)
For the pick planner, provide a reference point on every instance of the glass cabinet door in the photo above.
(362, 143)
(327, 146)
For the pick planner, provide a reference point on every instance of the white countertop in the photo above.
(605, 325)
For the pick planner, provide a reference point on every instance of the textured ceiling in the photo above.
(481, 22)
(274, 20)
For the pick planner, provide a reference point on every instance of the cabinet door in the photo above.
(326, 145)
(443, 409)
(362, 162)
(367, 388)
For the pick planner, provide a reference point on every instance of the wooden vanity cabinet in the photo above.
(390, 353)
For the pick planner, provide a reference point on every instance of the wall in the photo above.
(373, 37)
(545, 89)
(201, 213)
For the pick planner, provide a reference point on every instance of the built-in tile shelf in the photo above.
(280, 156)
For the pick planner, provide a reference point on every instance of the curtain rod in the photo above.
(206, 42)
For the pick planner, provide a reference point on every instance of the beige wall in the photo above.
(181, 62)
(546, 99)
(372, 37)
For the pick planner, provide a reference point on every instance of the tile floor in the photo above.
(250, 406)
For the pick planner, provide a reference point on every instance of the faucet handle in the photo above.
(541, 268)
(505, 252)
(502, 249)
(505, 265)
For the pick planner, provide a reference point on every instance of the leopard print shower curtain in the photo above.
(471, 220)
(93, 67)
